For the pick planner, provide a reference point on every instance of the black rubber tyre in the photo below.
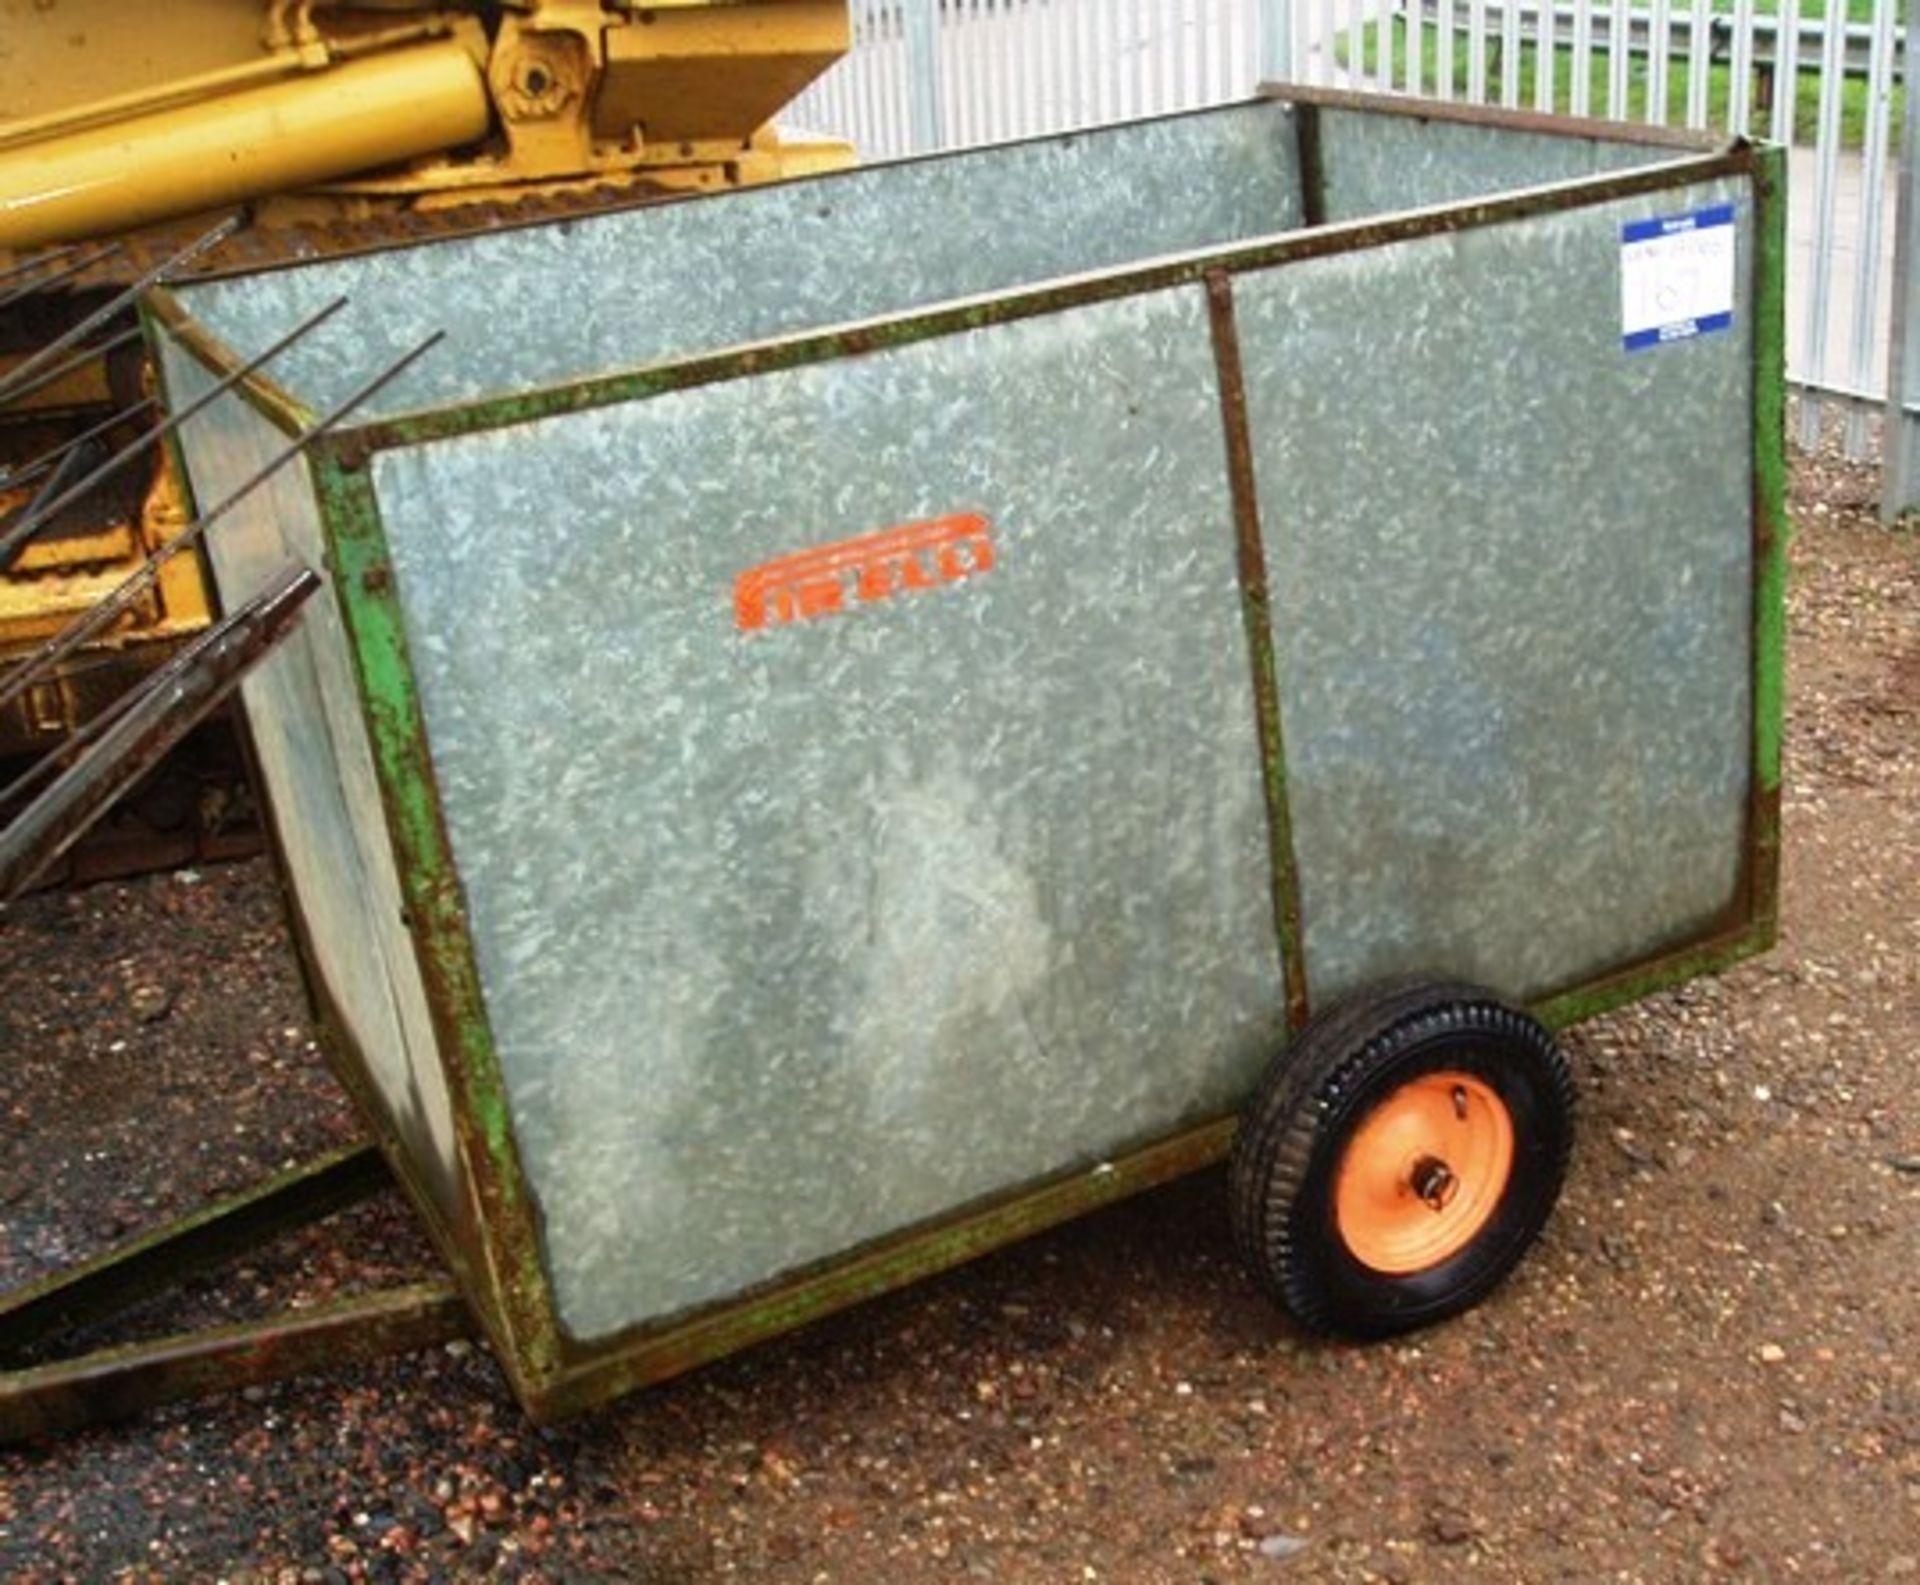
(1321, 1089)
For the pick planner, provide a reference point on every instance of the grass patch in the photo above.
(1806, 94)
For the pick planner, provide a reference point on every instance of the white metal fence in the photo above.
(932, 74)
(929, 74)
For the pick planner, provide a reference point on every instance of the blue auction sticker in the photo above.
(1676, 277)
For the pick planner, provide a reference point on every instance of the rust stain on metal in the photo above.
(285, 411)
(512, 1295)
(1313, 165)
(1517, 119)
(1765, 840)
(350, 450)
(94, 1290)
(40, 1397)
(134, 738)
(117, 1382)
(635, 1359)
(1257, 609)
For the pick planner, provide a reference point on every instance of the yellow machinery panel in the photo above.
(676, 74)
(185, 158)
(72, 55)
(137, 123)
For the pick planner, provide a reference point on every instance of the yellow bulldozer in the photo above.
(323, 125)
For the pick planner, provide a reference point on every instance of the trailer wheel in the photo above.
(1401, 1157)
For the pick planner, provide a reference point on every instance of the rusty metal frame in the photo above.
(1500, 117)
(41, 1397)
(115, 1383)
(1256, 609)
(501, 1266)
(113, 751)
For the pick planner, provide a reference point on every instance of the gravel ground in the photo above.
(1711, 1366)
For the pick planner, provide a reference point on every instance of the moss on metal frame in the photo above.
(517, 1305)
(1772, 532)
(1256, 609)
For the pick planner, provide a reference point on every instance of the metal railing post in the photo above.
(928, 113)
(1276, 41)
(1900, 439)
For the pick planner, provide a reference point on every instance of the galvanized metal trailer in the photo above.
(857, 720)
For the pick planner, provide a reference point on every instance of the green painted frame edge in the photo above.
(162, 318)
(509, 1283)
(1773, 530)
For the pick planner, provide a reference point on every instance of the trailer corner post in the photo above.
(1900, 438)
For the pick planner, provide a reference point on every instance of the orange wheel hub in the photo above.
(1423, 1173)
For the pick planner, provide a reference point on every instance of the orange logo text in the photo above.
(828, 579)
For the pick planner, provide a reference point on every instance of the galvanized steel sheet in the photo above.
(1511, 571)
(1376, 165)
(543, 305)
(794, 934)
(304, 715)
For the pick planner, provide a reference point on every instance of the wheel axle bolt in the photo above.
(1434, 1181)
